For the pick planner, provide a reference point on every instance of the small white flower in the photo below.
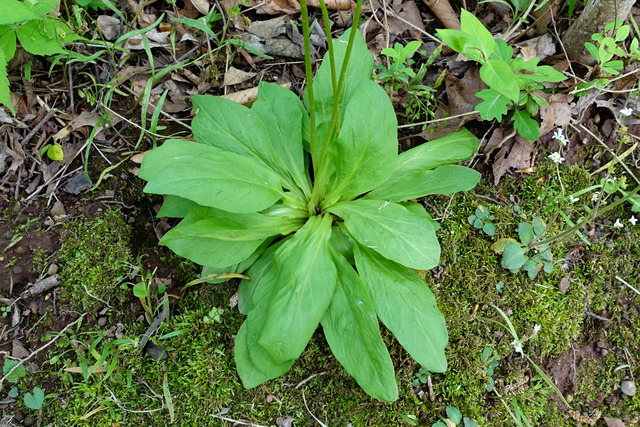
(633, 220)
(618, 224)
(556, 158)
(595, 197)
(560, 137)
(612, 179)
(517, 347)
(573, 199)
(626, 112)
(537, 328)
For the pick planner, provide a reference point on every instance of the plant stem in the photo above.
(309, 73)
(590, 217)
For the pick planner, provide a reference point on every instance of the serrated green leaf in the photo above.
(392, 231)
(5, 93)
(525, 125)
(494, 105)
(499, 77)
(500, 245)
(34, 400)
(460, 42)
(489, 228)
(482, 38)
(307, 280)
(406, 306)
(514, 257)
(539, 227)
(210, 177)
(364, 156)
(14, 11)
(454, 414)
(285, 113)
(351, 328)
(45, 36)
(525, 233)
(18, 373)
(7, 43)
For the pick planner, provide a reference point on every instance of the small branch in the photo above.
(41, 349)
(41, 286)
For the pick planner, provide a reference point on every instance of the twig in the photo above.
(595, 316)
(39, 350)
(630, 287)
(444, 119)
(304, 399)
(220, 417)
(155, 324)
(37, 127)
(42, 286)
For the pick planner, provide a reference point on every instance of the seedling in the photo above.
(422, 377)
(310, 201)
(525, 253)
(514, 84)
(214, 316)
(455, 418)
(490, 360)
(482, 220)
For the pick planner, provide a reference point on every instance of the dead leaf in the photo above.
(201, 5)
(276, 7)
(233, 76)
(334, 4)
(557, 113)
(406, 19)
(274, 37)
(144, 19)
(512, 156)
(538, 47)
(248, 96)
(109, 26)
(86, 118)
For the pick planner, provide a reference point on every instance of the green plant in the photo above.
(490, 360)
(17, 373)
(455, 418)
(514, 84)
(5, 310)
(310, 200)
(526, 254)
(213, 316)
(422, 376)
(482, 220)
(39, 33)
(35, 399)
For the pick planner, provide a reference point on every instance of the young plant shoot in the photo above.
(309, 199)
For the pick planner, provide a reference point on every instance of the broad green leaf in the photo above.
(246, 350)
(210, 177)
(406, 306)
(5, 92)
(259, 268)
(285, 114)
(441, 180)
(412, 164)
(341, 243)
(212, 272)
(359, 68)
(176, 207)
(454, 414)
(306, 283)
(391, 230)
(233, 127)
(460, 42)
(483, 39)
(418, 209)
(499, 76)
(42, 7)
(494, 105)
(350, 326)
(206, 251)
(514, 257)
(14, 11)
(34, 400)
(503, 53)
(45, 37)
(525, 125)
(7, 43)
(364, 154)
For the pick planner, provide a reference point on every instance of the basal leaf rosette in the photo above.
(245, 191)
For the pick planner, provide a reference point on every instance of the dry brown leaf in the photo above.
(334, 4)
(517, 156)
(409, 12)
(86, 118)
(276, 7)
(201, 6)
(539, 47)
(144, 19)
(109, 26)
(233, 76)
(557, 113)
(444, 12)
(248, 96)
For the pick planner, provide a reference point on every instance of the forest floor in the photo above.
(82, 274)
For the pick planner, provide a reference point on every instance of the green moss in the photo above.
(93, 259)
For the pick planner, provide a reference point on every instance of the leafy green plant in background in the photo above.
(514, 84)
(455, 418)
(526, 253)
(309, 199)
(39, 33)
(491, 361)
(610, 53)
(483, 220)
